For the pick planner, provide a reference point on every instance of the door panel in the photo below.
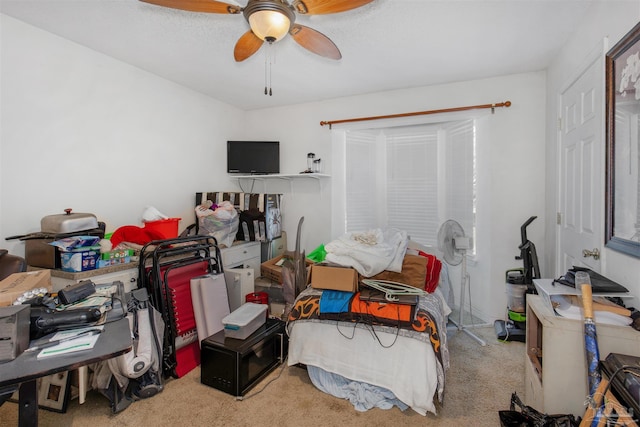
(581, 194)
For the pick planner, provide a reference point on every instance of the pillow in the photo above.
(432, 276)
(414, 271)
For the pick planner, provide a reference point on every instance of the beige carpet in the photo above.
(479, 384)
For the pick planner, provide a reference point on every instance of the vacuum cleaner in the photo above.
(519, 282)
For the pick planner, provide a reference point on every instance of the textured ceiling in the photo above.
(388, 44)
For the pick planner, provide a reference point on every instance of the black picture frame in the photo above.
(54, 392)
(622, 99)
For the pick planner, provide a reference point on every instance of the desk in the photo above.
(26, 368)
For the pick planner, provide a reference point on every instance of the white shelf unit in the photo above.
(285, 177)
(555, 362)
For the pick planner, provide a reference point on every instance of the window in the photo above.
(411, 177)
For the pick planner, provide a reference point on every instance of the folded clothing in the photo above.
(369, 252)
(335, 301)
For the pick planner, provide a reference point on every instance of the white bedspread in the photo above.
(405, 366)
(369, 252)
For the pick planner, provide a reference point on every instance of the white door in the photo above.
(581, 193)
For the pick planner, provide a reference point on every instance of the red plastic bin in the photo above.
(167, 228)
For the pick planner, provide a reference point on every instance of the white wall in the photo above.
(84, 131)
(511, 166)
(606, 23)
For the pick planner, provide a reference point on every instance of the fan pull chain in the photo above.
(269, 59)
(270, 63)
(266, 58)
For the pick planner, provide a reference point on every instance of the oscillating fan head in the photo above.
(449, 231)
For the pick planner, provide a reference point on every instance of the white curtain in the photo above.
(408, 176)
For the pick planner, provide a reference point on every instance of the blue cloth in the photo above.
(362, 396)
(335, 301)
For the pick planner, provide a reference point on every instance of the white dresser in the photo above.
(242, 255)
(125, 273)
(241, 264)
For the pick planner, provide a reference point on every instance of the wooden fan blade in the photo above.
(319, 7)
(209, 6)
(246, 46)
(315, 41)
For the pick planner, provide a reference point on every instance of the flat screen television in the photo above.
(253, 157)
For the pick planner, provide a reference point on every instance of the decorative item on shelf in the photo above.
(317, 166)
(310, 163)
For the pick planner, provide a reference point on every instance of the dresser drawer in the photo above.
(240, 254)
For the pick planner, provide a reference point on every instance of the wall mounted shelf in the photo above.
(285, 177)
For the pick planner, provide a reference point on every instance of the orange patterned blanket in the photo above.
(413, 318)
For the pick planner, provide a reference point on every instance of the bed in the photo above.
(374, 363)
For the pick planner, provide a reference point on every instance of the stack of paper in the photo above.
(69, 341)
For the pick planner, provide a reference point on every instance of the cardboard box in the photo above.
(334, 277)
(271, 271)
(120, 253)
(18, 283)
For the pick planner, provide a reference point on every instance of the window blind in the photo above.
(412, 178)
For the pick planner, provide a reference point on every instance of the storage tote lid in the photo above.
(244, 314)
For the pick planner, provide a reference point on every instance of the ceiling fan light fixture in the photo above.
(269, 25)
(270, 20)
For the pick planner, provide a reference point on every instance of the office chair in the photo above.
(10, 264)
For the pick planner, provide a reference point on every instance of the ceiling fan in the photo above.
(271, 20)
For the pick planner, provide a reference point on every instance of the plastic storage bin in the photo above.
(167, 228)
(245, 320)
(259, 298)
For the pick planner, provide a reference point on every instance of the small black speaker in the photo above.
(76, 292)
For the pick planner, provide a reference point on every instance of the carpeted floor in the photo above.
(479, 384)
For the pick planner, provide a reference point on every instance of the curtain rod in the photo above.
(419, 113)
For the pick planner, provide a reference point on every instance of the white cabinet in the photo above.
(242, 255)
(240, 282)
(241, 264)
(555, 362)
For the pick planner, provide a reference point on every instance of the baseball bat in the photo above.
(590, 339)
(583, 284)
